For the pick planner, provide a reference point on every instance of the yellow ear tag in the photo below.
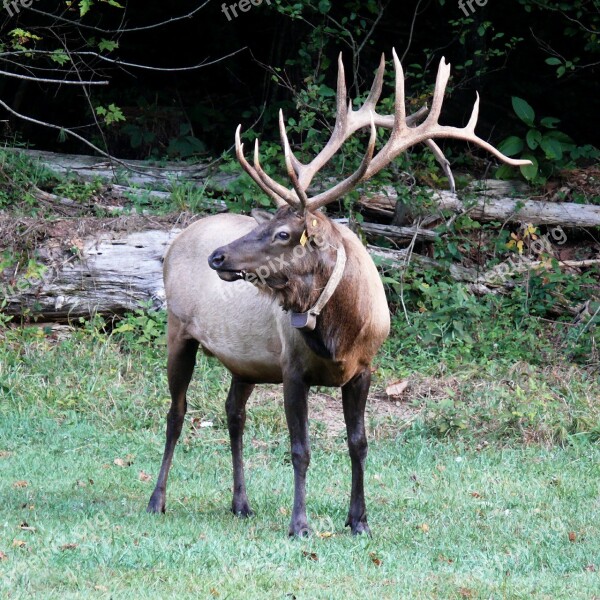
(304, 238)
(314, 223)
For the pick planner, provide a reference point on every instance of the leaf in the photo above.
(20, 484)
(396, 389)
(530, 171)
(60, 57)
(553, 61)
(326, 91)
(107, 45)
(144, 477)
(523, 110)
(324, 6)
(572, 537)
(70, 546)
(3, 556)
(84, 7)
(19, 543)
(511, 145)
(549, 122)
(534, 137)
(310, 555)
(375, 559)
(552, 147)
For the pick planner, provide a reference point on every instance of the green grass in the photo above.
(451, 517)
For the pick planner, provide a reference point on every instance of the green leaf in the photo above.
(549, 122)
(530, 171)
(552, 147)
(534, 137)
(511, 145)
(107, 45)
(60, 57)
(553, 61)
(84, 7)
(324, 6)
(523, 110)
(326, 91)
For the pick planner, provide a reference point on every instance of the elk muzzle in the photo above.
(218, 261)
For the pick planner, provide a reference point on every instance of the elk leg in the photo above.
(295, 399)
(180, 367)
(235, 408)
(354, 398)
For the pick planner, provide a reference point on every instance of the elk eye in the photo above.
(283, 235)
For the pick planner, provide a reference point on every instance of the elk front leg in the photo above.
(295, 399)
(180, 367)
(354, 398)
(235, 408)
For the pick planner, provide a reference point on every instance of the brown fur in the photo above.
(247, 327)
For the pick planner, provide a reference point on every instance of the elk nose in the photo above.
(216, 259)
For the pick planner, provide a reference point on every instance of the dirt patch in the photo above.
(384, 416)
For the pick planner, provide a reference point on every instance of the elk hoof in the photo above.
(242, 510)
(156, 504)
(359, 527)
(300, 530)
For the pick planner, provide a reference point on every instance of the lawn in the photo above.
(81, 437)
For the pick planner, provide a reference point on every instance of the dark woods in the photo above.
(280, 54)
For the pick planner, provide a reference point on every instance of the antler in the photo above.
(405, 132)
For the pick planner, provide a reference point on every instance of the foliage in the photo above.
(18, 174)
(145, 326)
(547, 148)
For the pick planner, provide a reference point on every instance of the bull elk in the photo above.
(295, 299)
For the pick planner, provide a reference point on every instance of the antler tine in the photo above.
(339, 135)
(239, 151)
(441, 82)
(276, 188)
(376, 88)
(287, 151)
(399, 104)
(350, 182)
(443, 162)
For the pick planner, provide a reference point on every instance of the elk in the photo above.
(294, 299)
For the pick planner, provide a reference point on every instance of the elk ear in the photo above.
(312, 224)
(260, 215)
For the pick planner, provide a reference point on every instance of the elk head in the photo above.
(299, 254)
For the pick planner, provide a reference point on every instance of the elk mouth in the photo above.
(227, 275)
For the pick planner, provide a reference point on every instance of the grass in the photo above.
(81, 436)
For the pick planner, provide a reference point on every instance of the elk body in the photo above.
(295, 299)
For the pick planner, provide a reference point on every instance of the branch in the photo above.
(59, 81)
(126, 30)
(128, 64)
(66, 130)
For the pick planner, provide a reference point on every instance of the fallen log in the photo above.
(110, 272)
(491, 199)
(493, 208)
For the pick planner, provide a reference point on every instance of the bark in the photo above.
(109, 273)
(487, 208)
